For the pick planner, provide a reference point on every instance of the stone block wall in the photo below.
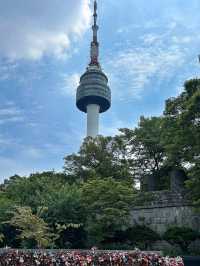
(165, 209)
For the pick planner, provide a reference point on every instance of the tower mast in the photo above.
(93, 94)
(94, 50)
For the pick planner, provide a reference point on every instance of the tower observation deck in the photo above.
(93, 94)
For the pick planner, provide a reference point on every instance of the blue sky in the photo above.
(147, 49)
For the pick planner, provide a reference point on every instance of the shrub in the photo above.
(182, 236)
(141, 236)
(134, 237)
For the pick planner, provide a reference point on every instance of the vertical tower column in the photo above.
(93, 94)
(93, 120)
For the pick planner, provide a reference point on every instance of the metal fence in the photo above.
(89, 251)
(188, 260)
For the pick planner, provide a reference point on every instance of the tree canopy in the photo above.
(90, 201)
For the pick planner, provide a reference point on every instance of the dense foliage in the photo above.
(60, 214)
(181, 236)
(90, 202)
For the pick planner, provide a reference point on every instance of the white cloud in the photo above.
(11, 120)
(113, 127)
(183, 39)
(32, 152)
(5, 141)
(71, 83)
(7, 69)
(151, 38)
(10, 114)
(10, 111)
(29, 29)
(134, 69)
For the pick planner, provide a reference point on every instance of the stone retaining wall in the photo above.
(166, 209)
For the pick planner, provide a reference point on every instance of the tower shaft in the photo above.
(93, 94)
(93, 120)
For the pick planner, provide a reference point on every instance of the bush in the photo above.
(194, 248)
(134, 237)
(173, 251)
(182, 236)
(141, 236)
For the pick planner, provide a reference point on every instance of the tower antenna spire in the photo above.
(94, 50)
(93, 94)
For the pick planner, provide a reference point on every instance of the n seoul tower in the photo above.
(93, 94)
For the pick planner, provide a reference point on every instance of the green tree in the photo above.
(182, 138)
(108, 203)
(101, 156)
(43, 184)
(54, 200)
(65, 208)
(1, 238)
(31, 227)
(182, 118)
(6, 205)
(147, 150)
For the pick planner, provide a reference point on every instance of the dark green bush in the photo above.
(141, 236)
(138, 236)
(182, 236)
